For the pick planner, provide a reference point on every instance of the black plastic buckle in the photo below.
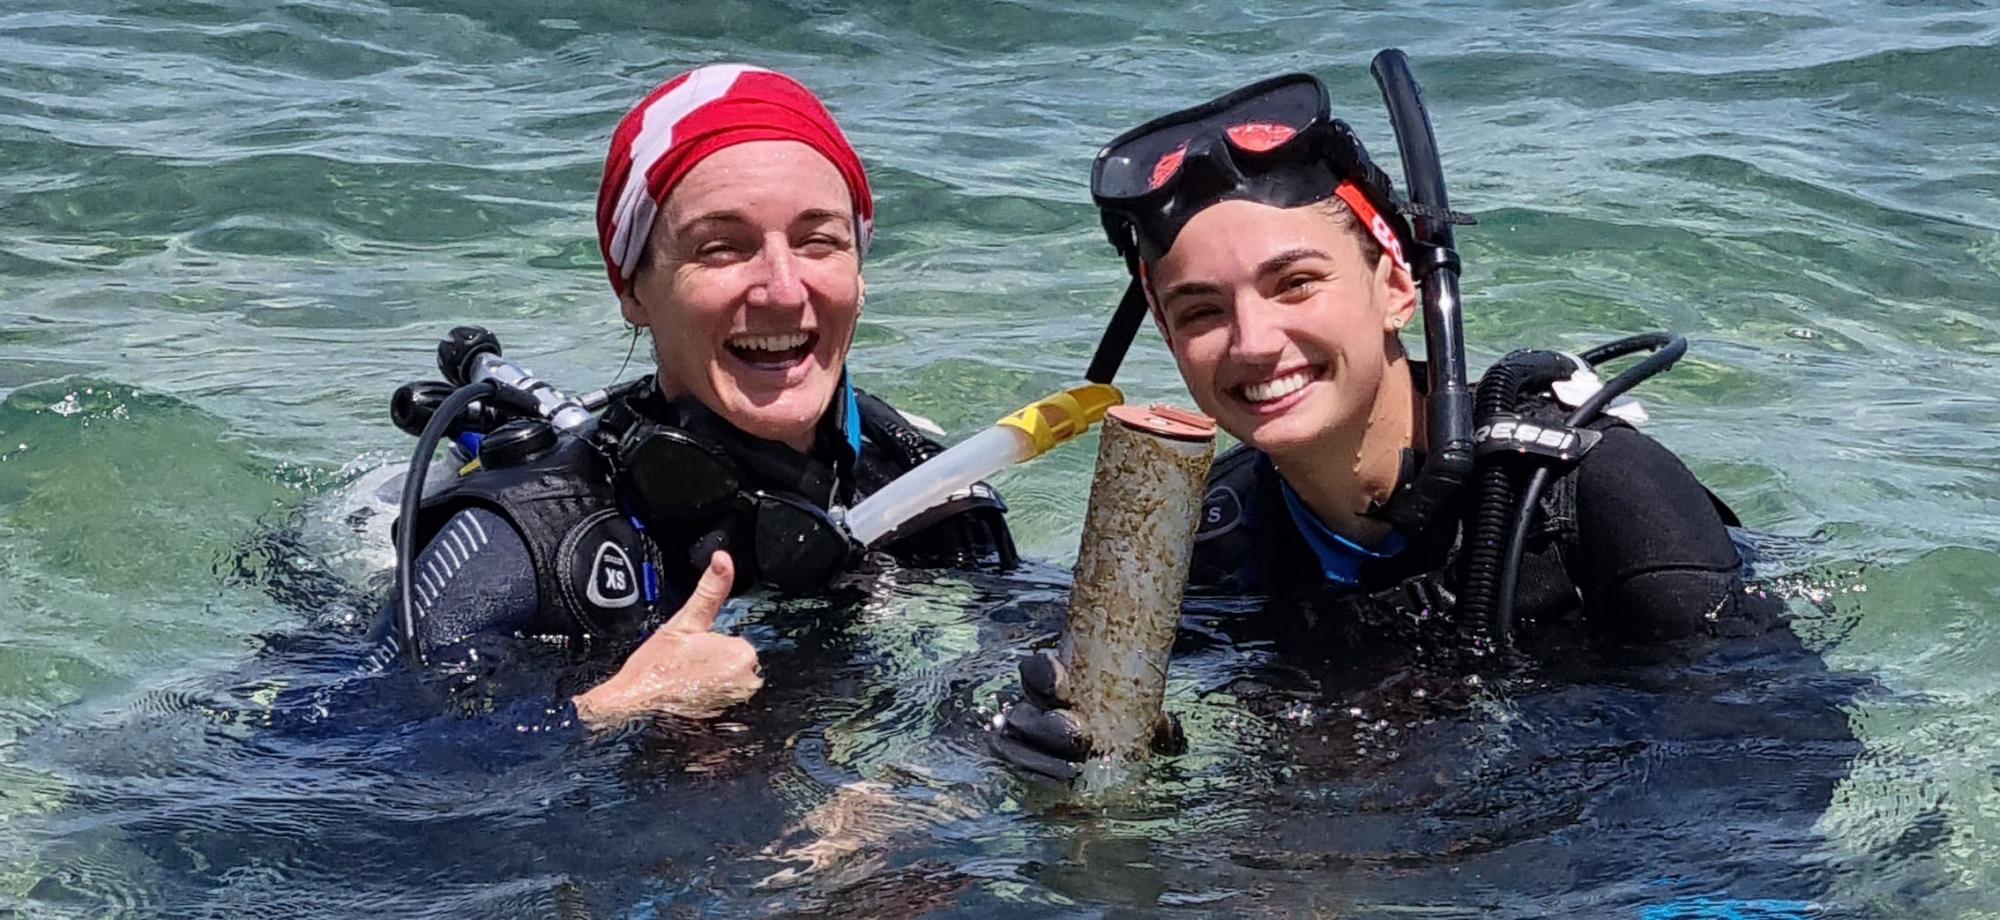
(1429, 259)
(1435, 214)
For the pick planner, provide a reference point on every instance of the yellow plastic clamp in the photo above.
(1060, 417)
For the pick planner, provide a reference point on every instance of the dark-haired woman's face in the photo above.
(1282, 325)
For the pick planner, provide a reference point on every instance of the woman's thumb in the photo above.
(698, 613)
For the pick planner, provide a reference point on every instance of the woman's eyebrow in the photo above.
(1191, 288)
(1279, 261)
(716, 217)
(811, 216)
(1268, 266)
(821, 215)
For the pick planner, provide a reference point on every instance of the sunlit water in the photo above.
(228, 230)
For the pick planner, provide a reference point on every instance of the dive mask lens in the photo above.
(674, 477)
(1261, 119)
(797, 547)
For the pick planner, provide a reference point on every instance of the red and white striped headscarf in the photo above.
(692, 116)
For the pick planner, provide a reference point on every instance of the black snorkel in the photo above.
(1118, 335)
(1434, 261)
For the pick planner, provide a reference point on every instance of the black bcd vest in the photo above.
(590, 559)
(1247, 543)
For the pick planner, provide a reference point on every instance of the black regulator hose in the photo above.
(1644, 341)
(1667, 348)
(1486, 533)
(413, 494)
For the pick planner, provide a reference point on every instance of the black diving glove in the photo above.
(1041, 735)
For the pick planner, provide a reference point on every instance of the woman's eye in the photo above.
(1296, 281)
(821, 244)
(717, 250)
(1195, 315)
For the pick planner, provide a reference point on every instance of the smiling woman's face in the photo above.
(752, 287)
(1281, 323)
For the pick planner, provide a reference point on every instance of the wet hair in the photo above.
(646, 260)
(1338, 212)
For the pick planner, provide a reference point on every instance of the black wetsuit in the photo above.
(552, 549)
(1627, 545)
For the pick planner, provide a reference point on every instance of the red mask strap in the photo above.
(1373, 220)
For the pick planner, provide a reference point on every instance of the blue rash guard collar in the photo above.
(850, 416)
(1340, 559)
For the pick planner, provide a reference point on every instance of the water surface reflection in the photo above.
(857, 782)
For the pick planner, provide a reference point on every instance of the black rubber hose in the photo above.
(1118, 335)
(406, 521)
(1644, 341)
(1669, 350)
(1493, 498)
(1510, 567)
(1486, 532)
(1669, 347)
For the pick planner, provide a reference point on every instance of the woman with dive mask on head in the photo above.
(1281, 268)
(733, 218)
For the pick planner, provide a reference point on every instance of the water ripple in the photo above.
(244, 224)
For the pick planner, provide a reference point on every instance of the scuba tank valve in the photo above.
(470, 359)
(470, 354)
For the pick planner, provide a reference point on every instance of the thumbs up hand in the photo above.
(683, 668)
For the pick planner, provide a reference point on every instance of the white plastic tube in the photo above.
(927, 486)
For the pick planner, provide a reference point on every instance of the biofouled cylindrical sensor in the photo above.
(1138, 538)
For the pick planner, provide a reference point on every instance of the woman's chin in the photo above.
(1279, 437)
(1299, 428)
(789, 415)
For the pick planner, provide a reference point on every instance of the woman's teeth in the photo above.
(1273, 389)
(785, 342)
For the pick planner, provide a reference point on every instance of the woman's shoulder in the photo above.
(1629, 468)
(1244, 541)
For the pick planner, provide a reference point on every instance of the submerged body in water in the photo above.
(1561, 782)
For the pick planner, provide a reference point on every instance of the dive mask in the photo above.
(1274, 142)
(674, 479)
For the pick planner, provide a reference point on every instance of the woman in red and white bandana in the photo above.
(733, 218)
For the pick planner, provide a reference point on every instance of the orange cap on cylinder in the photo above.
(1166, 421)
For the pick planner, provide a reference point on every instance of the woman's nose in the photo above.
(781, 285)
(1258, 335)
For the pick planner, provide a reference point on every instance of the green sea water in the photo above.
(228, 230)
